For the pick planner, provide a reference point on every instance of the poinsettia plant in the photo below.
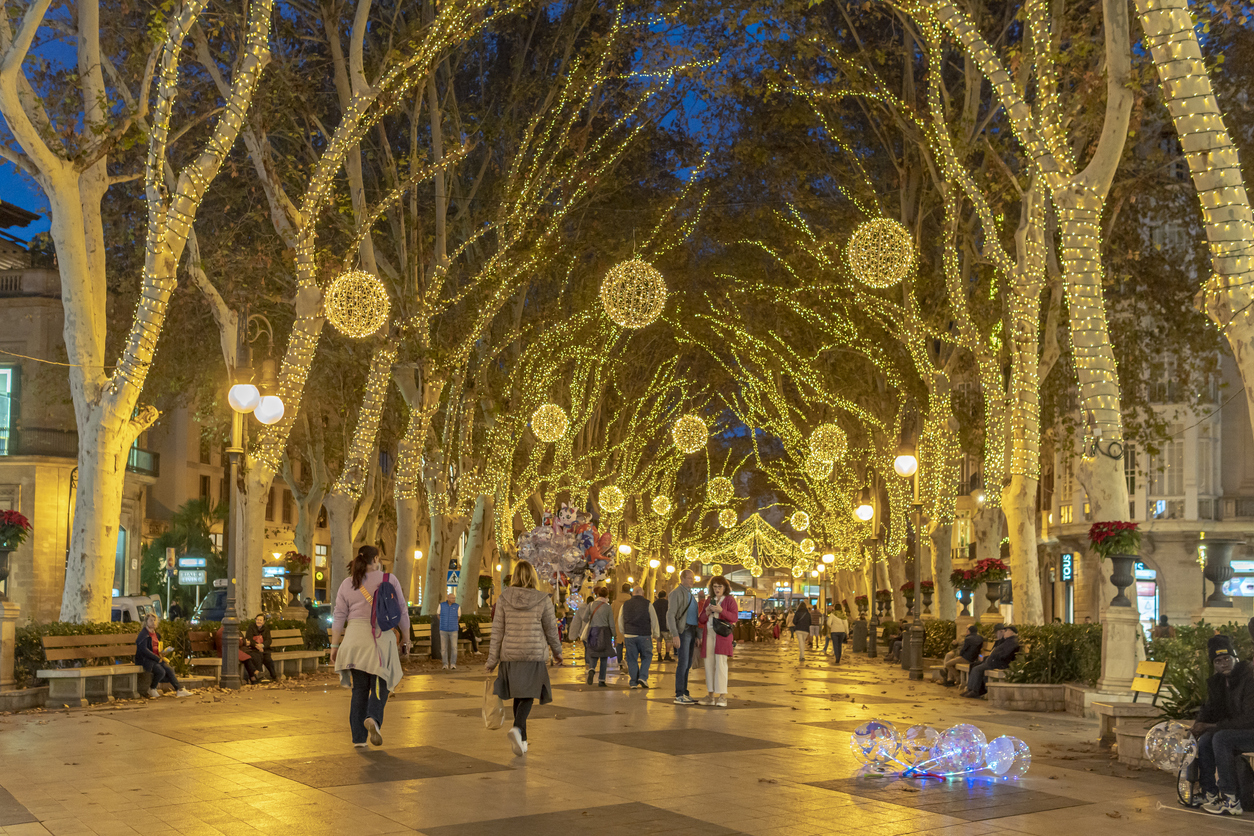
(907, 589)
(860, 600)
(963, 579)
(927, 586)
(1114, 537)
(883, 595)
(991, 570)
(13, 529)
(844, 605)
(296, 563)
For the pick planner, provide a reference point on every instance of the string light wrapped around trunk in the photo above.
(357, 304)
(690, 433)
(612, 499)
(800, 520)
(633, 293)
(661, 505)
(827, 443)
(720, 490)
(881, 252)
(549, 422)
(727, 518)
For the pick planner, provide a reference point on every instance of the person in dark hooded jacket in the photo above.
(1224, 727)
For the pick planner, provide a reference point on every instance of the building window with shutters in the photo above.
(270, 505)
(1166, 478)
(287, 507)
(205, 483)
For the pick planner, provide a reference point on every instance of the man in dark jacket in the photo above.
(660, 606)
(969, 652)
(999, 658)
(1224, 727)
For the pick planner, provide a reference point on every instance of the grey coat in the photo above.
(675, 604)
(524, 628)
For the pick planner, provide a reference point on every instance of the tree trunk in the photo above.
(434, 583)
(986, 528)
(94, 537)
(248, 537)
(406, 543)
(472, 560)
(897, 577)
(944, 605)
(1019, 504)
(340, 508)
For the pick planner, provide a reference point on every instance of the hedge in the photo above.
(1057, 654)
(1188, 665)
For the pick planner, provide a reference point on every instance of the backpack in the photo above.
(385, 611)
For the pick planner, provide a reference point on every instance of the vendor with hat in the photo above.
(999, 658)
(1224, 727)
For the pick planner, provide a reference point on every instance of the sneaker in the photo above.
(643, 685)
(372, 729)
(1199, 798)
(516, 742)
(602, 684)
(684, 699)
(721, 702)
(182, 692)
(361, 745)
(1223, 805)
(706, 700)
(444, 668)
(454, 667)
(153, 693)
(591, 676)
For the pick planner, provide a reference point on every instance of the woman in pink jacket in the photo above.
(718, 606)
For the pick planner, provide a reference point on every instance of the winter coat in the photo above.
(146, 655)
(723, 645)
(836, 624)
(600, 617)
(971, 647)
(524, 628)
(1003, 653)
(678, 603)
(801, 621)
(577, 621)
(1230, 699)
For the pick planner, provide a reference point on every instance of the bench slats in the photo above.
(1154, 669)
(1146, 686)
(88, 641)
(55, 655)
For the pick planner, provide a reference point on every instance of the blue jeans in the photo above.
(639, 650)
(1220, 751)
(838, 643)
(683, 659)
(370, 695)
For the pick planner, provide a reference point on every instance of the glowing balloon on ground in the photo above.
(1168, 745)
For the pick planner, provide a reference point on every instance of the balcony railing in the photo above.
(63, 444)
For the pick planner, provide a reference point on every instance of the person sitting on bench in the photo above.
(999, 658)
(148, 657)
(1224, 727)
(969, 652)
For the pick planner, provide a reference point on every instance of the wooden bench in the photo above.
(204, 656)
(1148, 680)
(98, 677)
(287, 649)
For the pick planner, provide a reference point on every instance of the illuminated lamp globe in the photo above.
(798, 571)
(817, 469)
(829, 558)
(756, 571)
(549, 422)
(881, 253)
(356, 304)
(633, 293)
(814, 573)
(720, 490)
(654, 563)
(690, 433)
(691, 554)
(807, 546)
(243, 397)
(269, 410)
(827, 443)
(661, 505)
(670, 568)
(624, 549)
(904, 462)
(799, 520)
(612, 499)
(743, 552)
(864, 510)
(727, 518)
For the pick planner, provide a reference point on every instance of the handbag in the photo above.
(722, 626)
(587, 626)
(493, 706)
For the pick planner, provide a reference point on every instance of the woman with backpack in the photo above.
(524, 633)
(600, 632)
(364, 646)
(801, 629)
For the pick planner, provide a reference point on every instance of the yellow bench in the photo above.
(1148, 680)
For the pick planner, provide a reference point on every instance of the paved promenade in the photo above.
(607, 761)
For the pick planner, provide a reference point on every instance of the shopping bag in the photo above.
(493, 707)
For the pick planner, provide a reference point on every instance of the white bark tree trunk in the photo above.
(944, 605)
(480, 534)
(407, 543)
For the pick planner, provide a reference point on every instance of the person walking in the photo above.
(577, 621)
(257, 640)
(637, 623)
(148, 656)
(524, 634)
(660, 605)
(682, 623)
(717, 648)
(599, 646)
(837, 633)
(367, 662)
(817, 623)
(1162, 630)
(775, 628)
(801, 629)
(449, 614)
(620, 642)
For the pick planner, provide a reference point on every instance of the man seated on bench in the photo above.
(999, 658)
(969, 652)
(148, 657)
(1224, 728)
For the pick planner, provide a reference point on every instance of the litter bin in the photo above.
(859, 635)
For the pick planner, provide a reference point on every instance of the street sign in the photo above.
(192, 563)
(453, 576)
(191, 577)
(273, 571)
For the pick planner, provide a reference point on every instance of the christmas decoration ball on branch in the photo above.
(720, 490)
(800, 520)
(798, 570)
(549, 422)
(881, 253)
(807, 546)
(633, 293)
(755, 570)
(727, 518)
(817, 469)
(612, 499)
(691, 554)
(356, 304)
(690, 433)
(827, 443)
(743, 551)
(661, 505)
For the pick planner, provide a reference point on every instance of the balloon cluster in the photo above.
(924, 752)
(1169, 744)
(566, 547)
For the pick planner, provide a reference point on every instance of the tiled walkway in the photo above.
(603, 761)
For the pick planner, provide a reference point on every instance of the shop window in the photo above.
(8, 406)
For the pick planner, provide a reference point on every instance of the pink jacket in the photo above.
(730, 612)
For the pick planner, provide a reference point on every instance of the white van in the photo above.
(130, 608)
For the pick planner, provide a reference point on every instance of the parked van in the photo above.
(133, 608)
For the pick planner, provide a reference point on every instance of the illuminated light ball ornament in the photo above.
(549, 422)
(716, 570)
(720, 490)
(612, 499)
(727, 518)
(798, 570)
(817, 469)
(691, 554)
(743, 552)
(917, 743)
(690, 433)
(827, 443)
(806, 546)
(875, 743)
(755, 570)
(800, 520)
(633, 293)
(661, 505)
(1007, 757)
(881, 253)
(1168, 744)
(959, 748)
(356, 304)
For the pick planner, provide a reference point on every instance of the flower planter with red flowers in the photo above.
(1120, 542)
(13, 530)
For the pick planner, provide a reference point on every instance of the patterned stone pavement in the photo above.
(604, 761)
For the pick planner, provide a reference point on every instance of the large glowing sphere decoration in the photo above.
(827, 443)
(720, 490)
(691, 554)
(612, 499)
(816, 469)
(356, 304)
(633, 293)
(798, 570)
(1167, 745)
(799, 520)
(727, 518)
(690, 433)
(958, 749)
(1007, 757)
(881, 252)
(715, 570)
(743, 551)
(917, 743)
(806, 546)
(661, 505)
(875, 742)
(755, 570)
(549, 422)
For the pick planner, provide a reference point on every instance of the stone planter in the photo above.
(4, 568)
(992, 591)
(909, 605)
(965, 599)
(1122, 568)
(927, 602)
(296, 584)
(1219, 569)
(1014, 696)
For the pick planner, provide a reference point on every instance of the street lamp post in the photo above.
(907, 466)
(874, 624)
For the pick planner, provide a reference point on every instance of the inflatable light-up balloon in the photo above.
(921, 752)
